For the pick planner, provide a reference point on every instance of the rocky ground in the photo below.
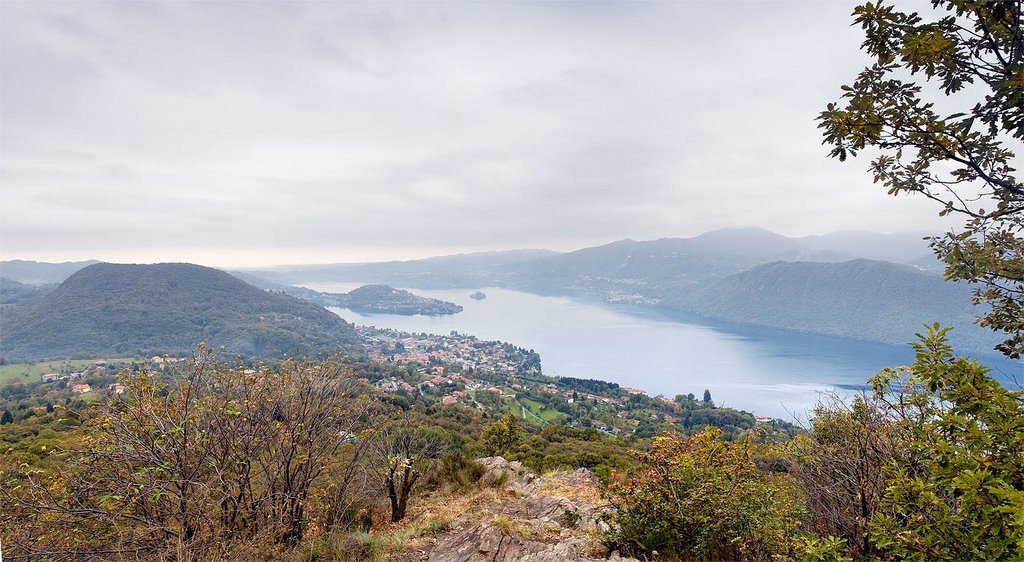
(516, 516)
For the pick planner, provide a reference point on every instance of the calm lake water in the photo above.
(765, 371)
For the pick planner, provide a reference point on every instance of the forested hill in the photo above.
(862, 299)
(382, 299)
(115, 309)
(13, 293)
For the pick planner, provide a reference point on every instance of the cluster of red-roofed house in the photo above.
(77, 386)
(392, 346)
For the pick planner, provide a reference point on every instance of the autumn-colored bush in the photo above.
(705, 498)
(215, 461)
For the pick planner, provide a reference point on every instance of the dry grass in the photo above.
(513, 528)
(433, 515)
(446, 510)
(556, 483)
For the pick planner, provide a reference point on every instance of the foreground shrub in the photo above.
(704, 498)
(216, 461)
(839, 465)
(959, 492)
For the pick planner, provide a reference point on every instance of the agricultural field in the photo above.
(30, 372)
(537, 409)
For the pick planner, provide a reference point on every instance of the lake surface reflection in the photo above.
(769, 372)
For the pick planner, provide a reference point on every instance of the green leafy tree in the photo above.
(645, 429)
(6, 418)
(943, 101)
(500, 436)
(959, 492)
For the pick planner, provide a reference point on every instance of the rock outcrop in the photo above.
(550, 518)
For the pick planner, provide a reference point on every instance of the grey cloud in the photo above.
(342, 126)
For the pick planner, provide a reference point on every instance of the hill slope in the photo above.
(114, 309)
(14, 293)
(861, 299)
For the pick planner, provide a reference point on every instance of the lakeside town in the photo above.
(466, 351)
(462, 370)
(454, 370)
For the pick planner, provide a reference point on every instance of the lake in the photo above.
(768, 372)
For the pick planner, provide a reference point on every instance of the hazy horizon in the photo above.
(319, 132)
(425, 255)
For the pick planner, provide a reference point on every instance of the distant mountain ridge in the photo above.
(716, 253)
(665, 261)
(722, 274)
(441, 271)
(906, 248)
(818, 284)
(116, 309)
(40, 273)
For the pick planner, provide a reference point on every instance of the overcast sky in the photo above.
(257, 133)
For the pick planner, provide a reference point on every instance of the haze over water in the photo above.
(768, 372)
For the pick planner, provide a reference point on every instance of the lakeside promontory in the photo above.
(383, 299)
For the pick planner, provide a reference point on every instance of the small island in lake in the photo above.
(478, 296)
(383, 299)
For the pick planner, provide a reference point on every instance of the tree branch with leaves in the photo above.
(970, 56)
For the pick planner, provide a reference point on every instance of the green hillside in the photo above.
(382, 299)
(861, 299)
(115, 309)
(14, 293)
